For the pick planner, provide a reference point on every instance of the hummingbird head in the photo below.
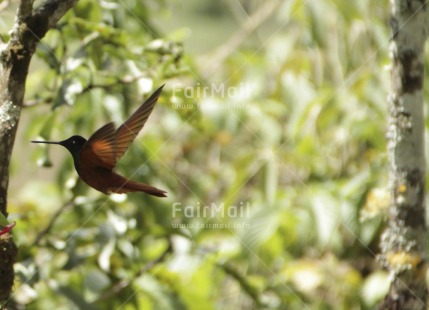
(74, 144)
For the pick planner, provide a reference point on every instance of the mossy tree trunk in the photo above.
(30, 26)
(404, 243)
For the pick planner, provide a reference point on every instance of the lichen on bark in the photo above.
(29, 28)
(404, 242)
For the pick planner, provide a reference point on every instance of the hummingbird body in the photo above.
(108, 182)
(95, 158)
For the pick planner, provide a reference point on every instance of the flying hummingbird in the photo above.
(95, 158)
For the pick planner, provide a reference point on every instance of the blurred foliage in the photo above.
(272, 153)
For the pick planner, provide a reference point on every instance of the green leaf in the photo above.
(3, 220)
(96, 281)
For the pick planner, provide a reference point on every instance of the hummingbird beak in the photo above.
(46, 142)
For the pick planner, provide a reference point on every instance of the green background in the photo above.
(272, 122)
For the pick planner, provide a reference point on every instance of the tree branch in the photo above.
(404, 243)
(15, 55)
(25, 9)
(15, 58)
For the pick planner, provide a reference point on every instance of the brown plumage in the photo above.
(95, 158)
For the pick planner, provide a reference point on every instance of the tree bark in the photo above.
(404, 241)
(29, 28)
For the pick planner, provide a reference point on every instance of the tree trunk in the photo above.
(404, 242)
(29, 28)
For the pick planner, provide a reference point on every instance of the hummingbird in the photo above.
(95, 158)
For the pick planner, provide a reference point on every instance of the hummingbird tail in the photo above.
(132, 186)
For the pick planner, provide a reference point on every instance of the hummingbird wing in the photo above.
(107, 145)
(99, 150)
(129, 130)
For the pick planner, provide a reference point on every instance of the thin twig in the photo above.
(232, 271)
(264, 11)
(119, 286)
(54, 218)
(128, 79)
